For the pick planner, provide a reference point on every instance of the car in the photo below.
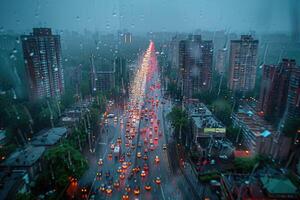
(151, 147)
(107, 174)
(145, 157)
(111, 115)
(164, 146)
(125, 196)
(128, 153)
(122, 159)
(120, 170)
(157, 180)
(151, 141)
(223, 157)
(127, 188)
(116, 119)
(145, 150)
(102, 187)
(139, 155)
(99, 175)
(212, 162)
(156, 138)
(156, 159)
(139, 144)
(146, 167)
(119, 140)
(147, 186)
(100, 162)
(117, 184)
(122, 176)
(215, 183)
(136, 190)
(124, 165)
(110, 156)
(145, 141)
(143, 173)
(109, 189)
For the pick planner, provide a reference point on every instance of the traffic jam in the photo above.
(132, 158)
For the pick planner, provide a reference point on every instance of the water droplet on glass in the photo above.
(15, 50)
(1, 29)
(12, 56)
(18, 41)
(31, 54)
(55, 69)
(132, 25)
(77, 18)
(114, 14)
(66, 59)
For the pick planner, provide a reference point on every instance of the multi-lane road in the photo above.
(146, 166)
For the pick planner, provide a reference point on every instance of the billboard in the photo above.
(214, 130)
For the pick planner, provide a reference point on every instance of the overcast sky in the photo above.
(151, 15)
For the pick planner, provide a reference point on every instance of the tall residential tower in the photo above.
(195, 64)
(43, 63)
(243, 63)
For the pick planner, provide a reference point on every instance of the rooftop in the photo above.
(9, 181)
(278, 185)
(24, 157)
(2, 134)
(254, 122)
(203, 117)
(49, 137)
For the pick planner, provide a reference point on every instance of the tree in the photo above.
(65, 161)
(179, 120)
(25, 196)
(222, 110)
(232, 133)
(291, 127)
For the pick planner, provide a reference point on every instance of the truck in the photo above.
(117, 151)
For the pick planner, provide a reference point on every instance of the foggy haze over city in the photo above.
(149, 99)
(151, 15)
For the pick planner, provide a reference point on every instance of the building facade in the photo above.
(221, 61)
(102, 80)
(293, 101)
(195, 64)
(274, 89)
(43, 63)
(243, 64)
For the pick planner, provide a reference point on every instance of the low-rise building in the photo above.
(28, 158)
(259, 136)
(279, 188)
(3, 138)
(205, 124)
(12, 183)
(49, 137)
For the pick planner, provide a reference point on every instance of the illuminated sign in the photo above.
(214, 130)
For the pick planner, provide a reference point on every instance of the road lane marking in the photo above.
(162, 191)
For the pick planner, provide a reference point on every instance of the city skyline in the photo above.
(234, 15)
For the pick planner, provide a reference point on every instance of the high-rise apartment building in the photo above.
(43, 63)
(293, 101)
(243, 63)
(274, 89)
(195, 65)
(221, 60)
